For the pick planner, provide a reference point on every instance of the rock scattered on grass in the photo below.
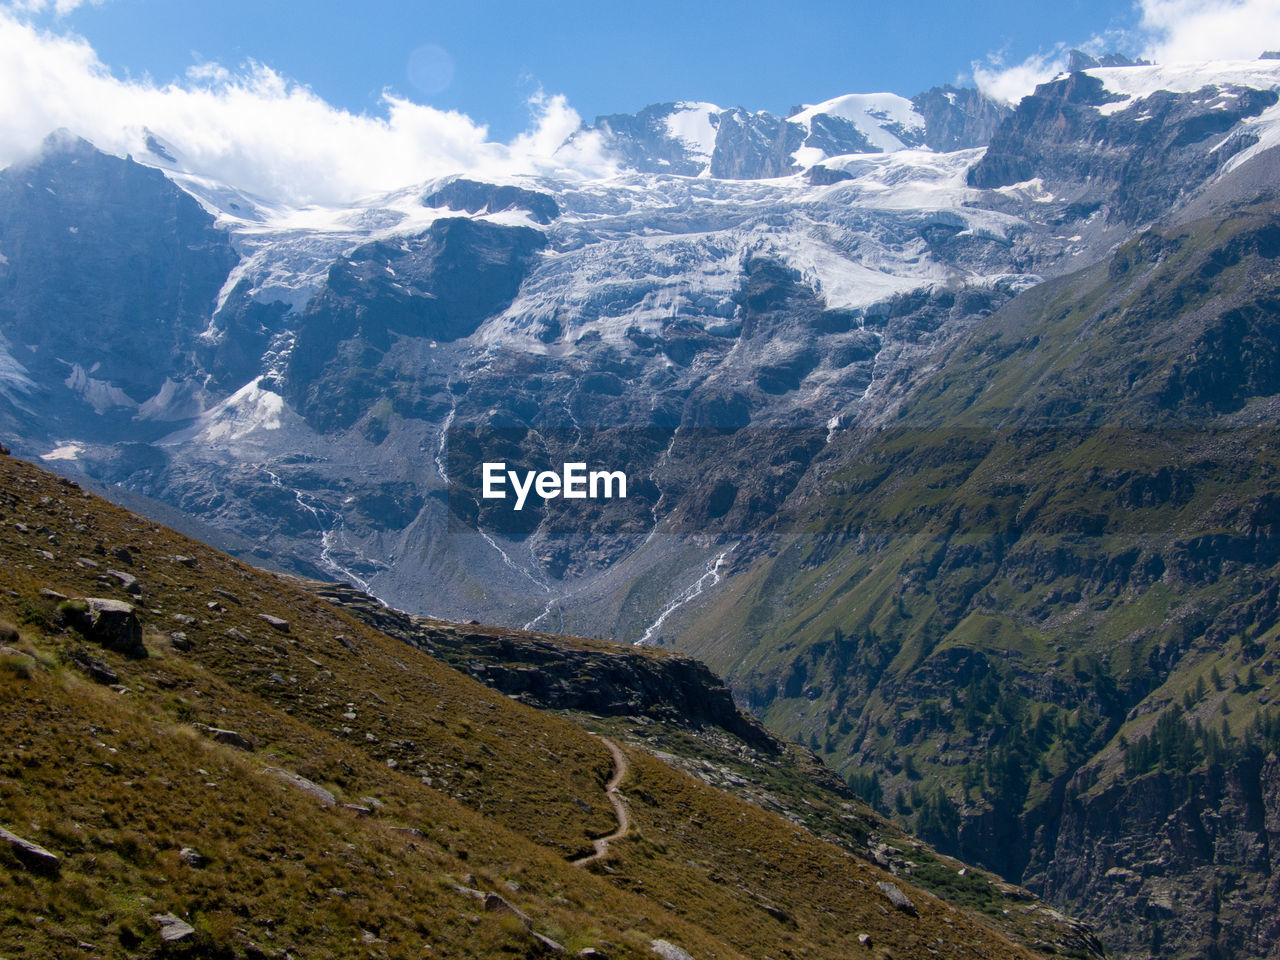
(228, 737)
(899, 899)
(93, 668)
(112, 623)
(126, 580)
(173, 929)
(669, 951)
(303, 784)
(546, 943)
(31, 855)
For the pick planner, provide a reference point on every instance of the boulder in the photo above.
(126, 580)
(899, 899)
(229, 737)
(93, 668)
(546, 943)
(303, 784)
(8, 651)
(496, 903)
(669, 951)
(173, 929)
(31, 855)
(281, 625)
(113, 624)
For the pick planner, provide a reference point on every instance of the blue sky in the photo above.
(323, 102)
(604, 58)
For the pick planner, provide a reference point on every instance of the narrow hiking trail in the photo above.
(620, 768)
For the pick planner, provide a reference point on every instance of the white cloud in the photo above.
(259, 131)
(1011, 84)
(59, 8)
(1180, 30)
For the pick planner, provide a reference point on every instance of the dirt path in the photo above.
(620, 768)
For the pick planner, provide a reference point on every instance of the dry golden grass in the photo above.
(467, 788)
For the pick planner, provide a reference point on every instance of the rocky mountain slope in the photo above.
(930, 410)
(696, 139)
(314, 371)
(1034, 615)
(205, 761)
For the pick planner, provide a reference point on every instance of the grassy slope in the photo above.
(634, 695)
(497, 796)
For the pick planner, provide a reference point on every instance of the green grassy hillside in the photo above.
(1053, 574)
(168, 783)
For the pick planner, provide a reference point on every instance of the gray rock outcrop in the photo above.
(31, 855)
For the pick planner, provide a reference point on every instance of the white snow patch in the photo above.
(1137, 83)
(13, 375)
(1266, 127)
(249, 409)
(1033, 189)
(847, 284)
(905, 180)
(807, 157)
(66, 451)
(99, 394)
(175, 400)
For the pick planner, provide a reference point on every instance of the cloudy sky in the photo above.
(321, 102)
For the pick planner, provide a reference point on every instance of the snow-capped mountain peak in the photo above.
(889, 122)
(694, 124)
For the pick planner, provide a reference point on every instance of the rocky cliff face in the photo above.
(561, 673)
(1175, 865)
(110, 275)
(437, 286)
(958, 118)
(1133, 156)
